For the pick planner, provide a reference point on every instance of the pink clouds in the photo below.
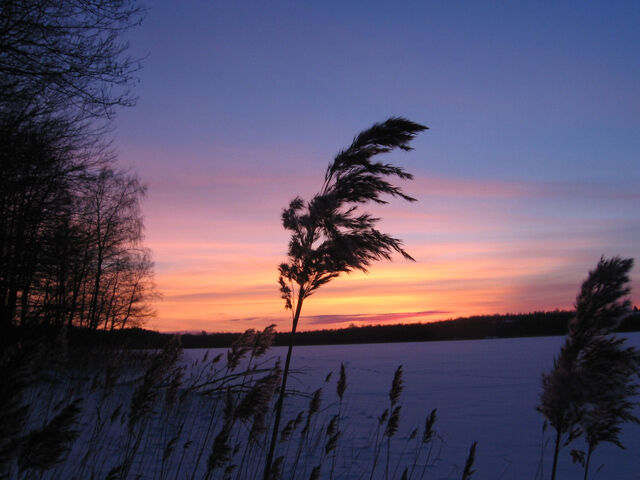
(481, 247)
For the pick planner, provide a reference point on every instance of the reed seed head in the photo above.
(428, 426)
(286, 432)
(397, 385)
(276, 469)
(332, 443)
(298, 419)
(392, 424)
(221, 451)
(264, 340)
(314, 404)
(383, 416)
(315, 473)
(342, 382)
(240, 347)
(332, 427)
(468, 472)
(44, 448)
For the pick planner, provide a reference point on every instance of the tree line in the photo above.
(464, 328)
(71, 232)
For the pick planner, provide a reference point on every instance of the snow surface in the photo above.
(484, 390)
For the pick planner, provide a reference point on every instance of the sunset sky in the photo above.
(530, 170)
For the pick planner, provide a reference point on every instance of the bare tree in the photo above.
(38, 170)
(330, 236)
(114, 221)
(131, 290)
(64, 68)
(70, 239)
(66, 57)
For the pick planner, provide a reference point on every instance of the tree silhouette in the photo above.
(591, 386)
(70, 223)
(67, 58)
(71, 237)
(330, 236)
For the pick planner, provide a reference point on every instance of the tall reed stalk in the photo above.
(329, 236)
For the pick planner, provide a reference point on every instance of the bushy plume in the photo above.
(240, 347)
(315, 473)
(331, 236)
(170, 446)
(228, 471)
(592, 384)
(145, 394)
(428, 426)
(314, 407)
(342, 382)
(276, 469)
(383, 416)
(394, 421)
(611, 393)
(256, 403)
(468, 466)
(298, 419)
(333, 425)
(44, 448)
(258, 399)
(332, 443)
(221, 450)
(314, 404)
(397, 385)
(286, 432)
(171, 393)
(116, 413)
(263, 341)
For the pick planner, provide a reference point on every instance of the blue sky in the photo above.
(532, 152)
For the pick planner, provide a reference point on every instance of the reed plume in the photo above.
(592, 384)
(397, 385)
(48, 446)
(468, 466)
(330, 236)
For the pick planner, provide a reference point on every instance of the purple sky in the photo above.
(529, 172)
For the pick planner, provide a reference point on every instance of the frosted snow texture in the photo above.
(484, 390)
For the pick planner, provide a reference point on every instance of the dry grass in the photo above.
(117, 414)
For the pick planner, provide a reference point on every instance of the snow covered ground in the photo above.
(484, 390)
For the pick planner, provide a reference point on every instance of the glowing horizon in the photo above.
(469, 261)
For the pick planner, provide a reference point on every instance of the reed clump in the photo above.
(128, 414)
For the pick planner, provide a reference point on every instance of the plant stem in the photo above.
(283, 386)
(376, 452)
(555, 454)
(335, 450)
(426, 462)
(586, 464)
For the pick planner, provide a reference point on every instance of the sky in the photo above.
(528, 174)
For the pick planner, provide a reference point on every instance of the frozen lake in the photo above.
(484, 390)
